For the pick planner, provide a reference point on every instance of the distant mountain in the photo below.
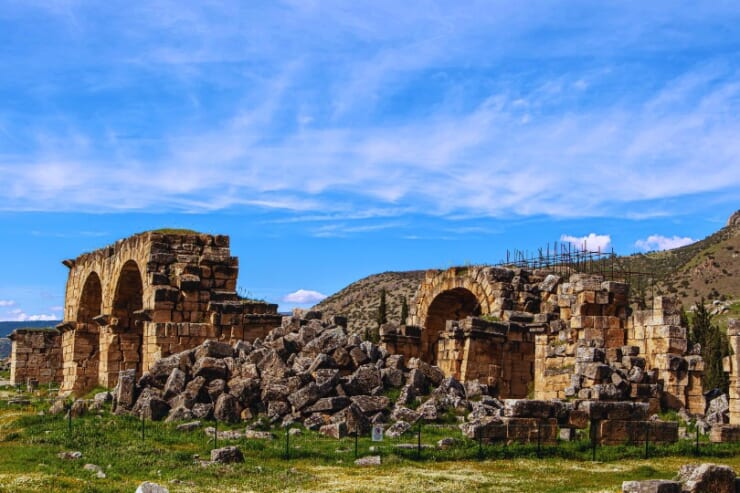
(7, 327)
(4, 348)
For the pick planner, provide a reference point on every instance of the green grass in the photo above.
(30, 444)
(176, 231)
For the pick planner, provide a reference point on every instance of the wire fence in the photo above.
(422, 442)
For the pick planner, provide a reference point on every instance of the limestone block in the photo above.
(651, 486)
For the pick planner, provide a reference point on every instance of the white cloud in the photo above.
(594, 143)
(660, 242)
(7, 302)
(20, 316)
(591, 241)
(304, 297)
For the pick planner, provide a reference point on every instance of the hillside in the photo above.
(709, 268)
(360, 300)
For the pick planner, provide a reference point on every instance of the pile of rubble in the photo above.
(308, 370)
(312, 372)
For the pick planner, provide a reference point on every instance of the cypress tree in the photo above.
(382, 316)
(404, 310)
(700, 326)
(714, 347)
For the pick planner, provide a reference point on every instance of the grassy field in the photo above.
(30, 442)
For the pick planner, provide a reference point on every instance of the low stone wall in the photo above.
(35, 354)
(500, 354)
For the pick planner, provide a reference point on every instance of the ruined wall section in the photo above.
(35, 355)
(732, 365)
(590, 322)
(148, 296)
(572, 337)
(663, 343)
(499, 354)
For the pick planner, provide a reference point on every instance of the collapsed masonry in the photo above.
(140, 299)
(313, 372)
(535, 334)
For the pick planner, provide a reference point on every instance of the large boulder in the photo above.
(305, 396)
(125, 391)
(227, 409)
(210, 368)
(363, 380)
(214, 349)
(369, 404)
(227, 455)
(707, 478)
(651, 486)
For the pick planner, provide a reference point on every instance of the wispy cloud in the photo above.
(331, 111)
(6, 303)
(660, 242)
(20, 316)
(304, 297)
(592, 241)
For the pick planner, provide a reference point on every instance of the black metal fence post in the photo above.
(480, 443)
(69, 422)
(696, 449)
(647, 439)
(287, 442)
(215, 435)
(418, 439)
(593, 439)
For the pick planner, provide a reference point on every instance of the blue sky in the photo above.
(332, 140)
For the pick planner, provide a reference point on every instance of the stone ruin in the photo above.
(161, 311)
(142, 298)
(535, 334)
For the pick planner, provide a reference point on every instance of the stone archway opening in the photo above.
(81, 341)
(453, 304)
(91, 300)
(122, 343)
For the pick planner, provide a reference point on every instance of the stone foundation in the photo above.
(36, 355)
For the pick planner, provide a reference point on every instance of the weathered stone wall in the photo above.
(146, 297)
(662, 342)
(573, 337)
(35, 354)
(499, 354)
(587, 318)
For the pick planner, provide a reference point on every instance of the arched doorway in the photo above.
(124, 335)
(453, 304)
(90, 300)
(81, 340)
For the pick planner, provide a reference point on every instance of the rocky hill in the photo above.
(360, 300)
(709, 268)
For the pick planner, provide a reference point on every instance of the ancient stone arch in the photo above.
(148, 296)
